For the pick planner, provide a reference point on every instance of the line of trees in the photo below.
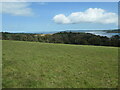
(66, 38)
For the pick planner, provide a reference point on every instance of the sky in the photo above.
(58, 16)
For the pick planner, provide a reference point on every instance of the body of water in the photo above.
(96, 32)
(102, 33)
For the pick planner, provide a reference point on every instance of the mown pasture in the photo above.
(48, 65)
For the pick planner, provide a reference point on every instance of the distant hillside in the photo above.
(113, 31)
(66, 38)
(107, 31)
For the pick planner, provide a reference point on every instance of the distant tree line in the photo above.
(66, 38)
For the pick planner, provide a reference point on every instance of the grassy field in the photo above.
(44, 65)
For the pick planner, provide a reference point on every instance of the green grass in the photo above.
(44, 65)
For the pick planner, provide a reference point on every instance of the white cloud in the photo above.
(61, 18)
(16, 8)
(91, 15)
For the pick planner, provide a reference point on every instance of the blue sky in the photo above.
(57, 16)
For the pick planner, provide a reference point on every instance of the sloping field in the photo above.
(44, 65)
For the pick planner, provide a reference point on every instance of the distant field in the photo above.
(44, 65)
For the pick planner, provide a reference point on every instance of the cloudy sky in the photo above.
(54, 16)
